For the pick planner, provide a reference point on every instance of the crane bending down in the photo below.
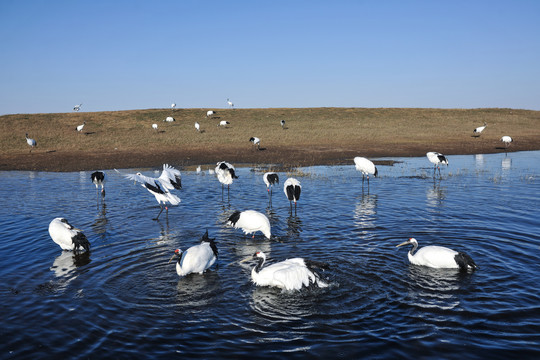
(250, 221)
(437, 159)
(366, 167)
(67, 236)
(31, 142)
(226, 174)
(290, 274)
(196, 259)
(438, 257)
(159, 187)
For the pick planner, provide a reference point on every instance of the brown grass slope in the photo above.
(124, 139)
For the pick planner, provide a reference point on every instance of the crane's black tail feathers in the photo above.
(79, 241)
(233, 219)
(213, 246)
(311, 264)
(465, 262)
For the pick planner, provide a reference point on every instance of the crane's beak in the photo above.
(403, 243)
(172, 257)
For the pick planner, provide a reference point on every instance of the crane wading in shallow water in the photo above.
(196, 259)
(98, 179)
(437, 159)
(366, 167)
(66, 236)
(292, 190)
(250, 221)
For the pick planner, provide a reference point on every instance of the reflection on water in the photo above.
(134, 302)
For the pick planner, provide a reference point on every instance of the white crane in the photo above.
(197, 126)
(290, 274)
(507, 140)
(282, 122)
(210, 113)
(159, 187)
(223, 123)
(196, 259)
(256, 142)
(154, 126)
(479, 129)
(225, 174)
(67, 236)
(437, 159)
(229, 102)
(250, 221)
(77, 107)
(31, 142)
(173, 106)
(292, 190)
(98, 178)
(169, 119)
(366, 166)
(81, 127)
(438, 257)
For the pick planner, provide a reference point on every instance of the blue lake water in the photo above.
(125, 300)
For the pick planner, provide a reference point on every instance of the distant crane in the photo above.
(223, 123)
(282, 122)
(507, 140)
(173, 106)
(479, 130)
(256, 142)
(197, 126)
(31, 142)
(210, 113)
(80, 127)
(98, 179)
(169, 119)
(229, 102)
(225, 174)
(154, 126)
(77, 107)
(270, 179)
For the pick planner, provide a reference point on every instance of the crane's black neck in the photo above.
(259, 265)
(414, 247)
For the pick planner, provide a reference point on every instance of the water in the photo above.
(125, 301)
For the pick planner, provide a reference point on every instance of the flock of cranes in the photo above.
(290, 274)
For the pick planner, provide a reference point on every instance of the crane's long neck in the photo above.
(259, 265)
(414, 247)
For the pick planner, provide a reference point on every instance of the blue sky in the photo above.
(123, 55)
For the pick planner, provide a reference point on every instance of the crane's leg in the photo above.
(160, 211)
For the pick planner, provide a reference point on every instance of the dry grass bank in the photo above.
(312, 136)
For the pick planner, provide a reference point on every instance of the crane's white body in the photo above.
(251, 221)
(365, 166)
(154, 126)
(31, 142)
(437, 158)
(63, 234)
(169, 119)
(229, 102)
(80, 127)
(197, 126)
(223, 123)
(433, 256)
(292, 189)
(290, 274)
(224, 172)
(210, 113)
(196, 259)
(77, 107)
(173, 105)
(479, 129)
(507, 140)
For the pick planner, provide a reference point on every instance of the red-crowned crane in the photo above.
(290, 274)
(366, 167)
(225, 174)
(31, 142)
(479, 130)
(77, 107)
(270, 179)
(67, 236)
(437, 159)
(229, 102)
(256, 142)
(80, 127)
(507, 140)
(98, 179)
(292, 190)
(210, 113)
(250, 221)
(196, 259)
(438, 257)
(159, 187)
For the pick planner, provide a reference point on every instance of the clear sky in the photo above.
(123, 55)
